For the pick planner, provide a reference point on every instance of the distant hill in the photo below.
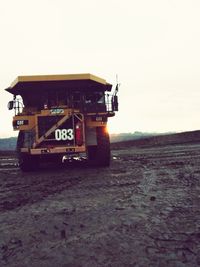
(132, 136)
(8, 143)
(159, 140)
(129, 139)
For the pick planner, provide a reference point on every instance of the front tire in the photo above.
(28, 162)
(99, 155)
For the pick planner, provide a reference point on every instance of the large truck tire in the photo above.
(26, 162)
(99, 155)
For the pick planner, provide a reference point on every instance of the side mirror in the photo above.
(10, 105)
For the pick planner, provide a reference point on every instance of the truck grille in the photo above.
(46, 122)
(60, 131)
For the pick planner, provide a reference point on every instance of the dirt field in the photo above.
(142, 211)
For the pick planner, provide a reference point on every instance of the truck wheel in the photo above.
(99, 155)
(20, 141)
(28, 162)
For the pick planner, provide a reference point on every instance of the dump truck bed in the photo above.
(72, 81)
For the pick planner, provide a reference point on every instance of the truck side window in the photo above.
(76, 96)
(100, 98)
(76, 99)
(62, 97)
(88, 98)
(52, 99)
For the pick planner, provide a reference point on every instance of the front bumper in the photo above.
(54, 150)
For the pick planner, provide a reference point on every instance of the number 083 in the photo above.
(64, 134)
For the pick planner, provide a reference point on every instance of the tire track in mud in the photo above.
(148, 199)
(19, 189)
(33, 187)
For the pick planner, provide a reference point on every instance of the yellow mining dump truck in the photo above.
(62, 115)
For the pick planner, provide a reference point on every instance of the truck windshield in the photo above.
(83, 100)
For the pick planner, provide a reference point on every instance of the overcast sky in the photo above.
(153, 46)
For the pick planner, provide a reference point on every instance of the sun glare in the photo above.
(113, 127)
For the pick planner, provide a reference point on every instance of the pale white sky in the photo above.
(153, 46)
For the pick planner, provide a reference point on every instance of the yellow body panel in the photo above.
(58, 77)
(29, 126)
(54, 150)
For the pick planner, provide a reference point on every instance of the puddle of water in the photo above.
(8, 165)
(8, 159)
(115, 158)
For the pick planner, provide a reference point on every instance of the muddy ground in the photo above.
(142, 211)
